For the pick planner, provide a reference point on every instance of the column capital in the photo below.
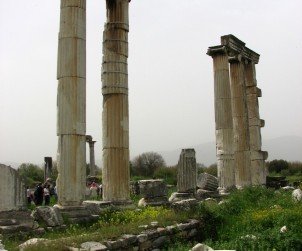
(217, 50)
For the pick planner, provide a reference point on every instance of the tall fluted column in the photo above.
(92, 158)
(71, 102)
(258, 169)
(186, 172)
(223, 117)
(240, 123)
(116, 173)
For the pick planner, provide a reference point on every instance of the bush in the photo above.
(212, 169)
(277, 165)
(168, 174)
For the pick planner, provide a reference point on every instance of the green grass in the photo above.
(251, 220)
(112, 224)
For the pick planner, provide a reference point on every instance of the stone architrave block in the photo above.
(152, 188)
(207, 181)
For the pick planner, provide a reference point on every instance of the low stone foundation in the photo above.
(148, 239)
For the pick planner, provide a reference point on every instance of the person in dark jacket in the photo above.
(38, 195)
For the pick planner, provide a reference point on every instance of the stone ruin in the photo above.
(238, 138)
(12, 189)
(186, 176)
(154, 193)
(240, 160)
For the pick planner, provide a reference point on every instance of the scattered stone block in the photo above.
(184, 205)
(93, 246)
(207, 181)
(31, 242)
(297, 195)
(152, 188)
(203, 194)
(51, 216)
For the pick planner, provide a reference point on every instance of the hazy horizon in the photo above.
(171, 93)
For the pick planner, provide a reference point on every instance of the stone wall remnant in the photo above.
(12, 189)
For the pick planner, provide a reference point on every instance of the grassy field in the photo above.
(249, 219)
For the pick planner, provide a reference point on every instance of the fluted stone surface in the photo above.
(223, 118)
(258, 169)
(116, 174)
(240, 124)
(186, 172)
(71, 103)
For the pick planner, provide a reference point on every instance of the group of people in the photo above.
(42, 192)
(93, 190)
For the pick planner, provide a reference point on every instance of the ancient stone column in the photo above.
(186, 172)
(223, 117)
(186, 176)
(92, 166)
(240, 123)
(116, 174)
(71, 102)
(92, 158)
(47, 167)
(258, 169)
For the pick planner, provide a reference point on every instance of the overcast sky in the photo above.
(171, 100)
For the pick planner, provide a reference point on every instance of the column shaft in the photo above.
(116, 174)
(240, 124)
(223, 121)
(71, 103)
(187, 172)
(258, 170)
(92, 158)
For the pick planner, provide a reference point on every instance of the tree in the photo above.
(277, 165)
(146, 163)
(31, 173)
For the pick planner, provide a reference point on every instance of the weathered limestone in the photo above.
(154, 193)
(12, 189)
(240, 124)
(245, 126)
(207, 181)
(187, 172)
(92, 166)
(116, 173)
(186, 176)
(258, 168)
(71, 122)
(223, 117)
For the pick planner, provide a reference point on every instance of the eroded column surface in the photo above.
(223, 117)
(258, 169)
(186, 172)
(116, 174)
(71, 103)
(240, 123)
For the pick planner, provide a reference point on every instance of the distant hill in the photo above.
(287, 147)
